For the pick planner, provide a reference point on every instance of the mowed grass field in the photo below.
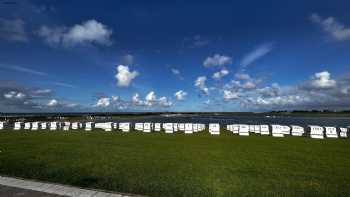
(158, 164)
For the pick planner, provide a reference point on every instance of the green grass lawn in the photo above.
(158, 164)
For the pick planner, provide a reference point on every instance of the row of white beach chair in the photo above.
(316, 132)
(107, 126)
(187, 128)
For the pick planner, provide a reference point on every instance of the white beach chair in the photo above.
(53, 126)
(297, 130)
(188, 128)
(157, 127)
(17, 126)
(214, 128)
(168, 127)
(264, 129)
(88, 126)
(277, 131)
(35, 126)
(138, 126)
(147, 127)
(124, 126)
(176, 127)
(181, 126)
(201, 127)
(243, 130)
(316, 132)
(343, 132)
(43, 125)
(115, 125)
(285, 130)
(331, 132)
(2, 125)
(27, 125)
(251, 129)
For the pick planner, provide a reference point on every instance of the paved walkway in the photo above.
(6, 191)
(13, 187)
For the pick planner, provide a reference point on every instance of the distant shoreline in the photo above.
(176, 114)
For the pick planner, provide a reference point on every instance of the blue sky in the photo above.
(174, 55)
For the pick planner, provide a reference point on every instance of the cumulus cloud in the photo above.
(323, 80)
(220, 74)
(217, 60)
(280, 101)
(200, 83)
(136, 100)
(320, 92)
(89, 32)
(259, 52)
(320, 80)
(165, 102)
(13, 30)
(231, 95)
(330, 25)
(270, 91)
(14, 95)
(249, 85)
(103, 102)
(52, 103)
(180, 95)
(150, 98)
(124, 76)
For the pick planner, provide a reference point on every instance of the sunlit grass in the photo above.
(158, 164)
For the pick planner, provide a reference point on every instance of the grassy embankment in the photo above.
(158, 164)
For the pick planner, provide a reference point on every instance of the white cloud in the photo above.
(217, 60)
(290, 100)
(231, 95)
(71, 105)
(42, 91)
(180, 95)
(115, 98)
(23, 70)
(150, 101)
(13, 30)
(53, 36)
(136, 100)
(256, 54)
(89, 32)
(52, 103)
(66, 85)
(14, 95)
(220, 74)
(242, 76)
(200, 83)
(124, 76)
(323, 80)
(330, 25)
(150, 98)
(249, 85)
(164, 102)
(103, 102)
(272, 91)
